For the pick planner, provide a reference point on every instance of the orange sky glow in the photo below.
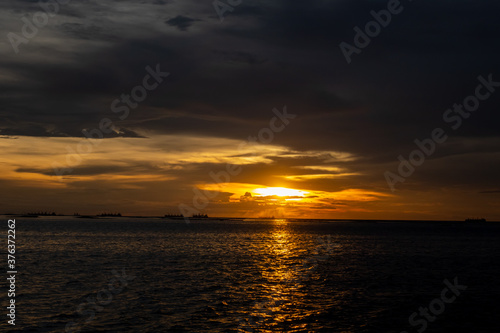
(151, 176)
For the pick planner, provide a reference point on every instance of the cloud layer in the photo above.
(353, 120)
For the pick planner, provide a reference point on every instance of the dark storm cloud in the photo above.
(181, 22)
(244, 57)
(86, 32)
(226, 77)
(129, 169)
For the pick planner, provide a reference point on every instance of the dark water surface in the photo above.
(260, 276)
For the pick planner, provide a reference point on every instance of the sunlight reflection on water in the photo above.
(272, 275)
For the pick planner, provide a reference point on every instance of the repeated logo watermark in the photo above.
(11, 271)
(454, 118)
(437, 306)
(102, 298)
(38, 21)
(121, 106)
(372, 29)
(265, 136)
(222, 7)
(298, 275)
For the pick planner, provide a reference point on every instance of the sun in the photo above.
(279, 191)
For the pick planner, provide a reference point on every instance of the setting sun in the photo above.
(279, 191)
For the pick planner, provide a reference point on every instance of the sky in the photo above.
(306, 109)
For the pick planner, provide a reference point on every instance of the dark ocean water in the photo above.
(253, 276)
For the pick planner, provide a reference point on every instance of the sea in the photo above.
(122, 274)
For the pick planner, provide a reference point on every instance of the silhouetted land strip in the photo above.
(205, 216)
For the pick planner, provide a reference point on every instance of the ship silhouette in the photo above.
(110, 215)
(173, 216)
(475, 219)
(36, 214)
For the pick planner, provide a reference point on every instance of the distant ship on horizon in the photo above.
(37, 214)
(475, 219)
(173, 216)
(110, 215)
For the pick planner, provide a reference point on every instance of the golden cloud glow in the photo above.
(321, 168)
(299, 178)
(287, 196)
(155, 167)
(279, 191)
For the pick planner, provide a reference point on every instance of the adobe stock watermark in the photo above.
(39, 20)
(454, 117)
(449, 294)
(96, 303)
(362, 39)
(221, 8)
(264, 136)
(121, 106)
(299, 275)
